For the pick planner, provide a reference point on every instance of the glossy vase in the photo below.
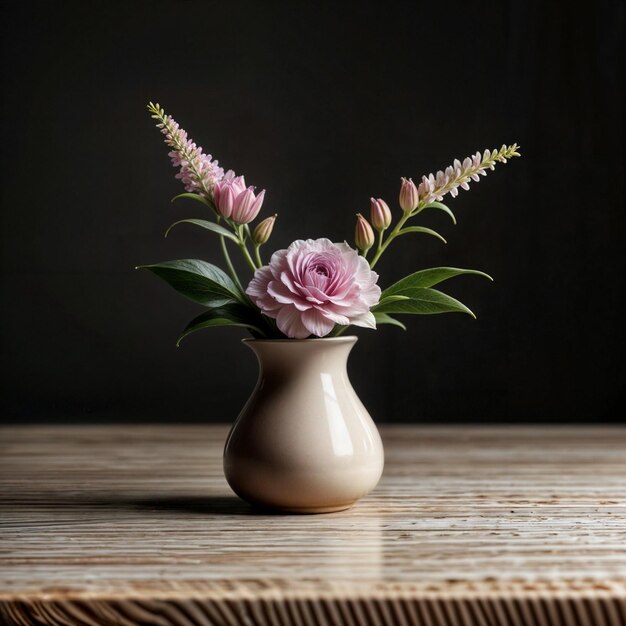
(303, 442)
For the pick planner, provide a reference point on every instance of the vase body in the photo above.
(303, 442)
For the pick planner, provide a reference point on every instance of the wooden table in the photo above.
(469, 525)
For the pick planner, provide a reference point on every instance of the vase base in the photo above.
(312, 510)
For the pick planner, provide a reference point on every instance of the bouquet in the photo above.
(314, 288)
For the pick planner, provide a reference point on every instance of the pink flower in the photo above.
(226, 191)
(233, 200)
(198, 171)
(380, 214)
(409, 196)
(224, 199)
(313, 285)
(459, 174)
(363, 234)
(247, 206)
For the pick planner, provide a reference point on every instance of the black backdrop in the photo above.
(323, 105)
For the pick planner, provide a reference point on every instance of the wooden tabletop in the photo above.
(469, 525)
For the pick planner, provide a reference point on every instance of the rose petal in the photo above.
(290, 323)
(367, 320)
(337, 318)
(317, 323)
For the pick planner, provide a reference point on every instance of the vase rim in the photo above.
(346, 339)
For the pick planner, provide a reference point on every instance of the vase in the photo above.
(304, 442)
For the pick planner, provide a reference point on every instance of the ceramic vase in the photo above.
(304, 442)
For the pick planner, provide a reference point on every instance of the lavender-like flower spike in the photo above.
(198, 172)
(435, 187)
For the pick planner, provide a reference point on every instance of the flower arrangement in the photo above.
(314, 288)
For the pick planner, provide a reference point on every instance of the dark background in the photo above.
(323, 105)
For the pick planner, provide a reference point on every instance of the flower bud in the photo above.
(216, 192)
(380, 214)
(363, 234)
(263, 231)
(224, 199)
(247, 206)
(238, 183)
(409, 197)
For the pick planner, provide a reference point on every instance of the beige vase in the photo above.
(304, 442)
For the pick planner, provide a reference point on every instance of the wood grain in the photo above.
(482, 525)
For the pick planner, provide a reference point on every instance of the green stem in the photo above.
(383, 245)
(380, 241)
(257, 255)
(244, 248)
(229, 263)
(247, 256)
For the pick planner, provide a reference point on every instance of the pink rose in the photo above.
(313, 285)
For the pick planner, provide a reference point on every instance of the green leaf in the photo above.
(424, 302)
(386, 299)
(421, 229)
(383, 318)
(216, 228)
(228, 315)
(197, 280)
(427, 278)
(193, 196)
(442, 207)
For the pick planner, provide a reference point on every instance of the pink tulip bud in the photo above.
(380, 214)
(263, 231)
(216, 192)
(239, 184)
(242, 206)
(247, 206)
(409, 198)
(363, 234)
(225, 200)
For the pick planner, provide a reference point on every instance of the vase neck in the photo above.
(285, 356)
